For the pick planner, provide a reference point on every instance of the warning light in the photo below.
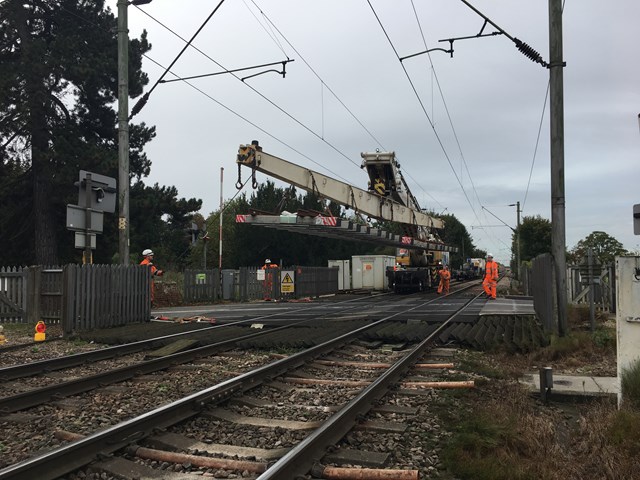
(40, 329)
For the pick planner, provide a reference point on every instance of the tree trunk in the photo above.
(45, 242)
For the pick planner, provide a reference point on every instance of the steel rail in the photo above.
(301, 459)
(39, 396)
(67, 458)
(34, 368)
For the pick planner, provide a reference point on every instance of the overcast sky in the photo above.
(465, 129)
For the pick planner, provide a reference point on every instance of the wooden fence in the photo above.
(79, 297)
(13, 294)
(201, 286)
(84, 297)
(100, 296)
(539, 280)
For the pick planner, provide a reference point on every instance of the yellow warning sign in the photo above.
(287, 284)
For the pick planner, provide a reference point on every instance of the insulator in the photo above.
(529, 52)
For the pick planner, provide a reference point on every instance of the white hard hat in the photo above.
(268, 260)
(148, 251)
(490, 255)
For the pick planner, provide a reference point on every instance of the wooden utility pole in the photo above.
(556, 120)
(123, 133)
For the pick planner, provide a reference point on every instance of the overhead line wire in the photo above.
(260, 94)
(229, 109)
(535, 150)
(318, 76)
(446, 108)
(422, 105)
(353, 115)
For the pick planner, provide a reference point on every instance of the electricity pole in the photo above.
(123, 133)
(123, 128)
(556, 118)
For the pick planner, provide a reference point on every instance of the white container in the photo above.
(344, 273)
(369, 271)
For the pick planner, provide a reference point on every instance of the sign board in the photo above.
(287, 283)
(103, 197)
(260, 275)
(77, 216)
(81, 240)
(636, 219)
(201, 278)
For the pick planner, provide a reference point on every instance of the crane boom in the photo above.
(361, 201)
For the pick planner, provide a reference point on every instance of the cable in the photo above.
(320, 78)
(264, 97)
(455, 135)
(138, 106)
(535, 150)
(422, 106)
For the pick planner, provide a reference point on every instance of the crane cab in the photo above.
(384, 174)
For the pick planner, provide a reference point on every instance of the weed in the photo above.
(630, 383)
(479, 449)
(605, 338)
(623, 430)
(35, 349)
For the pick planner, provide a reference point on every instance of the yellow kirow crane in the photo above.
(387, 198)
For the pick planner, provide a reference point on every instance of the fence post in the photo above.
(68, 298)
(33, 278)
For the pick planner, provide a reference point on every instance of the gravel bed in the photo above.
(33, 351)
(21, 385)
(102, 408)
(87, 413)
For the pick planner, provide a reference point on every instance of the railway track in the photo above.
(232, 374)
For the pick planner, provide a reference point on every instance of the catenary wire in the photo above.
(325, 85)
(310, 130)
(229, 109)
(444, 150)
(455, 135)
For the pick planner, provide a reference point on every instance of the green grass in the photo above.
(630, 382)
(480, 447)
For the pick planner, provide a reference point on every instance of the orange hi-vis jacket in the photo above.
(154, 269)
(491, 271)
(445, 276)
